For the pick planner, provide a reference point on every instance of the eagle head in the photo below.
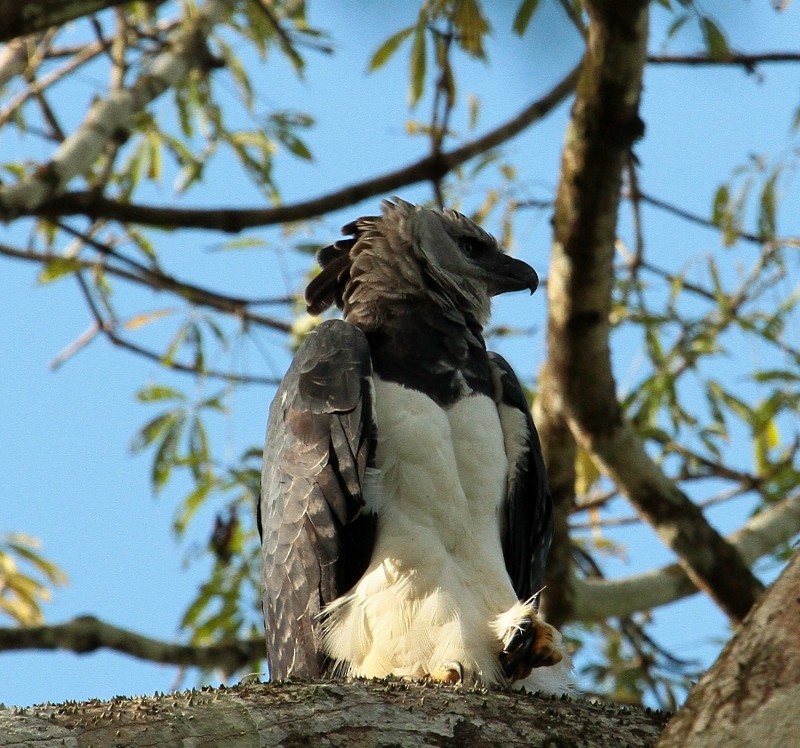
(409, 253)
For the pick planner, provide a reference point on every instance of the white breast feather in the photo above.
(436, 589)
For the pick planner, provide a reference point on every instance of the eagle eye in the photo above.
(471, 246)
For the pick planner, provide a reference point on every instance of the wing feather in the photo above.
(316, 535)
(527, 514)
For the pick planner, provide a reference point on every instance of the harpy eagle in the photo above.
(405, 513)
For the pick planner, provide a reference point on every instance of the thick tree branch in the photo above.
(233, 220)
(750, 696)
(19, 18)
(604, 125)
(596, 599)
(558, 446)
(361, 713)
(109, 117)
(87, 634)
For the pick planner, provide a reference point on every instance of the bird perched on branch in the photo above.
(405, 512)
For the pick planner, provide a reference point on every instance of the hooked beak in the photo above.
(510, 274)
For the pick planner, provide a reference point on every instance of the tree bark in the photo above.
(751, 695)
(361, 713)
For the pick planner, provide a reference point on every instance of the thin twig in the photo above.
(748, 61)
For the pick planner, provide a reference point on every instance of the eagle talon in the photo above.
(452, 672)
(532, 644)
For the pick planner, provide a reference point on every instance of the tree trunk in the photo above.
(333, 713)
(751, 695)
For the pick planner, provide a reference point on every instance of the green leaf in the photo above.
(159, 392)
(716, 43)
(722, 198)
(244, 242)
(765, 439)
(586, 472)
(388, 48)
(776, 375)
(524, 14)
(474, 108)
(296, 146)
(471, 26)
(195, 339)
(767, 208)
(191, 504)
(677, 25)
(152, 430)
(418, 59)
(57, 268)
(177, 341)
(167, 453)
(154, 155)
(199, 455)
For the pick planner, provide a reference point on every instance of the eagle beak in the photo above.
(511, 274)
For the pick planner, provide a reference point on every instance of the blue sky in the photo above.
(66, 474)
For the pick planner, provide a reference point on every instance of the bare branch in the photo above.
(87, 634)
(695, 218)
(596, 599)
(86, 54)
(109, 329)
(748, 61)
(233, 220)
(560, 451)
(160, 281)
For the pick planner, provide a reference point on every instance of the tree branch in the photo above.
(86, 54)
(694, 218)
(748, 61)
(108, 117)
(14, 58)
(109, 329)
(87, 634)
(596, 599)
(333, 713)
(559, 449)
(750, 695)
(604, 125)
(157, 281)
(233, 220)
(20, 18)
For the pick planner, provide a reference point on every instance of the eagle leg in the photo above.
(532, 644)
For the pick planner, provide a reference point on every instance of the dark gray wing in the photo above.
(527, 515)
(317, 536)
